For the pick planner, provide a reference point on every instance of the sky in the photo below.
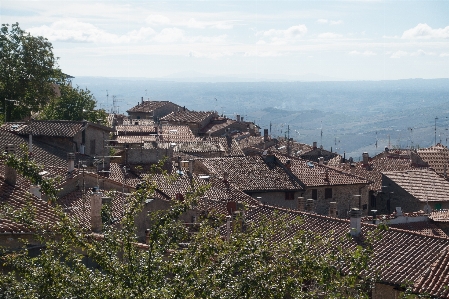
(261, 40)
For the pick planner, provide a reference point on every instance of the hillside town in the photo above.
(247, 172)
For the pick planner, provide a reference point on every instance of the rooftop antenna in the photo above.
(321, 129)
(107, 99)
(411, 137)
(436, 130)
(115, 107)
(376, 139)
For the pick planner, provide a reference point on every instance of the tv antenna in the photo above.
(115, 107)
(107, 99)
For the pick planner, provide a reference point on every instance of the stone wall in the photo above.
(343, 195)
(277, 198)
(384, 291)
(144, 156)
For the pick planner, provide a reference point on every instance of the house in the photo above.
(153, 110)
(317, 152)
(437, 157)
(220, 126)
(414, 190)
(71, 136)
(262, 178)
(196, 120)
(325, 185)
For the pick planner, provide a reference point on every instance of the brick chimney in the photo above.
(333, 209)
(302, 204)
(71, 162)
(310, 206)
(355, 222)
(314, 145)
(265, 135)
(365, 156)
(321, 161)
(95, 211)
(10, 172)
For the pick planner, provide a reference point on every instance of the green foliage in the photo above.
(263, 260)
(73, 104)
(27, 73)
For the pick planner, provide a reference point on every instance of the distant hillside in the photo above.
(351, 115)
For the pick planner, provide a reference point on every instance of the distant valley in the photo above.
(347, 116)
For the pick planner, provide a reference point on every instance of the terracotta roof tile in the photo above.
(148, 106)
(252, 173)
(188, 116)
(423, 184)
(437, 156)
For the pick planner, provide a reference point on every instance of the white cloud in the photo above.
(262, 54)
(169, 35)
(365, 53)
(398, 54)
(329, 35)
(157, 20)
(322, 21)
(212, 55)
(422, 53)
(339, 22)
(444, 55)
(284, 36)
(74, 31)
(425, 31)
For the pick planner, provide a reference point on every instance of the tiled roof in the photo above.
(424, 228)
(400, 256)
(77, 206)
(439, 215)
(437, 156)
(148, 106)
(423, 184)
(130, 129)
(187, 116)
(252, 173)
(16, 197)
(169, 133)
(313, 174)
(53, 128)
(378, 164)
(435, 279)
(42, 153)
(217, 125)
(199, 147)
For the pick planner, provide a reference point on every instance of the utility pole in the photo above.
(436, 130)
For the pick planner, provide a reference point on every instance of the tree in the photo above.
(73, 104)
(178, 264)
(28, 71)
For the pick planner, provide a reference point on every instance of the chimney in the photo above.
(310, 206)
(142, 100)
(147, 236)
(321, 161)
(301, 204)
(265, 135)
(288, 164)
(365, 156)
(333, 209)
(82, 147)
(398, 211)
(238, 117)
(352, 166)
(314, 145)
(35, 190)
(71, 162)
(225, 176)
(95, 212)
(10, 172)
(356, 222)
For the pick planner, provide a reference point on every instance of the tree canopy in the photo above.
(176, 262)
(28, 72)
(73, 104)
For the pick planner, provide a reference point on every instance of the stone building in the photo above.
(153, 110)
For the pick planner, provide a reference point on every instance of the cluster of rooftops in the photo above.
(244, 169)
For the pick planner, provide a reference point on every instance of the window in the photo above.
(438, 206)
(314, 194)
(289, 195)
(328, 193)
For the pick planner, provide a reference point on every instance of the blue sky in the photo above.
(287, 40)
